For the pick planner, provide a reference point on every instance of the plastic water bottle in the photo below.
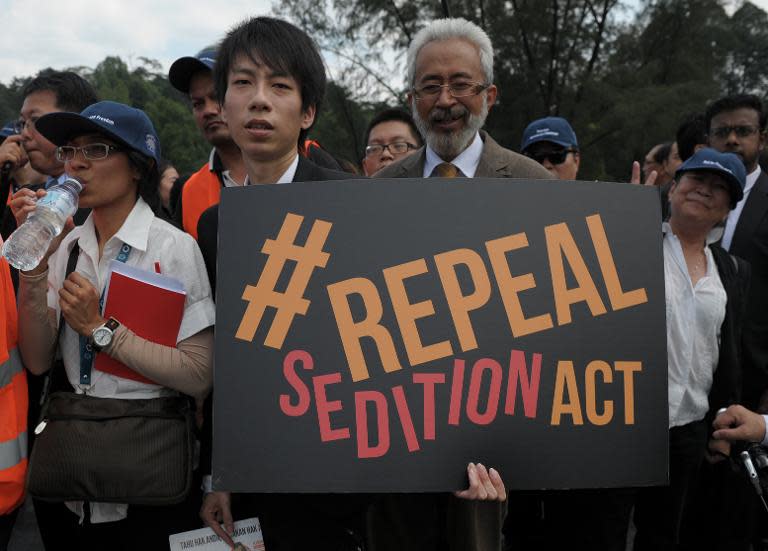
(28, 244)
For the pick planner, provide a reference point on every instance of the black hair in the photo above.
(284, 48)
(731, 103)
(164, 165)
(149, 177)
(73, 93)
(662, 152)
(392, 115)
(691, 132)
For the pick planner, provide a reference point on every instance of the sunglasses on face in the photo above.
(555, 157)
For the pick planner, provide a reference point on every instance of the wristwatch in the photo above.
(102, 335)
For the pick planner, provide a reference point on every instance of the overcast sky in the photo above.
(48, 33)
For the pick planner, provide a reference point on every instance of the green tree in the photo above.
(624, 75)
(144, 87)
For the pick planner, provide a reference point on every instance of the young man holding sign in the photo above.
(270, 80)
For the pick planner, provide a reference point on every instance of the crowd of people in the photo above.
(255, 98)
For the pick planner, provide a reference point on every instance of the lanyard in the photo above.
(86, 348)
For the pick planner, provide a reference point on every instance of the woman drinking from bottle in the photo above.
(113, 151)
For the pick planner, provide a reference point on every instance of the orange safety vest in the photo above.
(308, 144)
(200, 191)
(13, 401)
(203, 190)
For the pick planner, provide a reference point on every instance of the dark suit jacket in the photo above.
(750, 242)
(726, 382)
(495, 162)
(432, 522)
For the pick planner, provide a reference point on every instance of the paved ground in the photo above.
(25, 535)
(27, 538)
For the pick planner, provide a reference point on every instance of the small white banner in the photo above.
(247, 537)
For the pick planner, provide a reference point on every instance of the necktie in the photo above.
(446, 170)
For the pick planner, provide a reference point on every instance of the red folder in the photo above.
(151, 305)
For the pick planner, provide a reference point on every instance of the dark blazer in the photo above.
(750, 242)
(495, 162)
(726, 382)
(432, 522)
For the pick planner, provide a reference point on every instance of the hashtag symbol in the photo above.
(292, 302)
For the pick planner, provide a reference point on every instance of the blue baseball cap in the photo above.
(727, 165)
(549, 129)
(8, 130)
(126, 125)
(182, 69)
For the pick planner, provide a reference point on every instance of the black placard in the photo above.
(560, 383)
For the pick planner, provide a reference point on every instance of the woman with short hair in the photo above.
(706, 292)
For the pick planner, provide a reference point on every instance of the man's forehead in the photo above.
(741, 114)
(39, 103)
(200, 82)
(448, 58)
(386, 130)
(252, 61)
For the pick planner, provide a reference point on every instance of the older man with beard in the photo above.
(450, 75)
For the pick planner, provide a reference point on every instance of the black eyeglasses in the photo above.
(460, 89)
(395, 148)
(555, 157)
(744, 131)
(92, 151)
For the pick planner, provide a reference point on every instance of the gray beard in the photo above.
(449, 146)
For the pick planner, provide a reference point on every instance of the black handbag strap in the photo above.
(58, 380)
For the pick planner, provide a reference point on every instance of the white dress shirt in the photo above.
(735, 214)
(466, 161)
(695, 314)
(287, 176)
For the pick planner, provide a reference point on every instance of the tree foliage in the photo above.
(625, 74)
(144, 87)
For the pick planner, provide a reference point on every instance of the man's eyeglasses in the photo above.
(460, 89)
(723, 132)
(21, 124)
(555, 157)
(92, 151)
(395, 148)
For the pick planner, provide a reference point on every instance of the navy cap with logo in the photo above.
(8, 130)
(549, 129)
(126, 125)
(727, 165)
(182, 70)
